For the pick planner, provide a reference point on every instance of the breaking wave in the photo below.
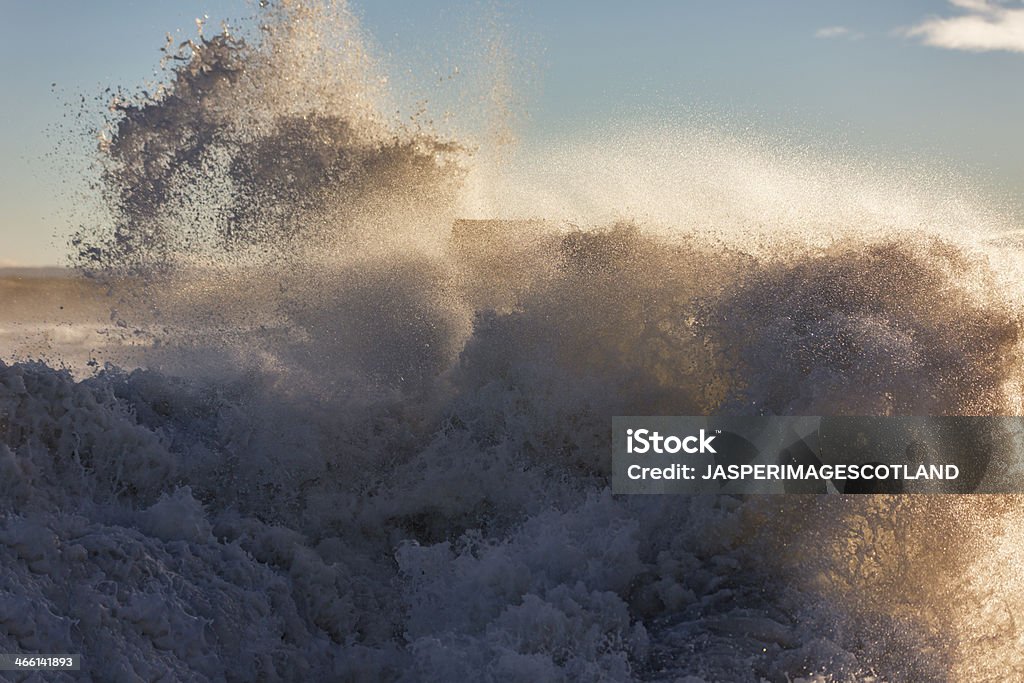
(368, 436)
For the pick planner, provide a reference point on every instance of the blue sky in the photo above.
(938, 80)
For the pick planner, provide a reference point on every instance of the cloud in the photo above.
(837, 32)
(831, 32)
(984, 26)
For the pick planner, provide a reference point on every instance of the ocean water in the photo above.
(330, 396)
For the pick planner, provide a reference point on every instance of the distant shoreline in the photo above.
(36, 271)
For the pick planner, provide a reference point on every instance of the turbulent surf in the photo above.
(350, 415)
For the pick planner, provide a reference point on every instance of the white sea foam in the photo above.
(370, 441)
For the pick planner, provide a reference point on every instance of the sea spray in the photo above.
(369, 433)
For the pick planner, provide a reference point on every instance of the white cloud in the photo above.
(831, 32)
(837, 32)
(985, 26)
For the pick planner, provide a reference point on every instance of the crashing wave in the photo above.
(368, 437)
